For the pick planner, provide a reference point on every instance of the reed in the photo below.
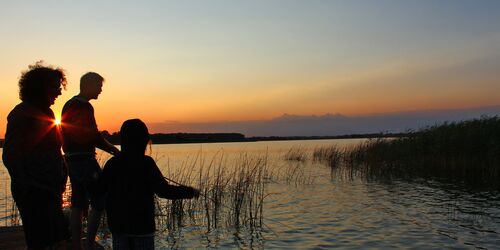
(330, 155)
(232, 194)
(14, 218)
(296, 154)
(467, 151)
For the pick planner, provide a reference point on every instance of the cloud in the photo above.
(329, 124)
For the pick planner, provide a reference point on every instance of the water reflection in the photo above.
(306, 205)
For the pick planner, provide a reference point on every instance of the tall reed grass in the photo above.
(467, 151)
(232, 194)
(296, 154)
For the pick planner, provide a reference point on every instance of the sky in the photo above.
(207, 62)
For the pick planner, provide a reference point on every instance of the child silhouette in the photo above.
(131, 179)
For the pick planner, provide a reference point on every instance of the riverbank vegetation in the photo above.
(229, 196)
(467, 151)
(232, 194)
(233, 191)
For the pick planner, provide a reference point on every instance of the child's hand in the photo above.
(196, 193)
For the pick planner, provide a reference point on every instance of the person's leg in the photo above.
(43, 221)
(120, 242)
(79, 199)
(97, 203)
(143, 242)
(61, 245)
(60, 232)
(93, 222)
(76, 227)
(31, 225)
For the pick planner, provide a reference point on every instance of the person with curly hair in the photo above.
(33, 158)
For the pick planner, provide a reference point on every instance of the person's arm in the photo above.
(164, 190)
(18, 141)
(100, 141)
(105, 145)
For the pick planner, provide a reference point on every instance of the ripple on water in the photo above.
(355, 214)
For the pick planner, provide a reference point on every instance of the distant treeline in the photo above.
(350, 136)
(183, 137)
(236, 137)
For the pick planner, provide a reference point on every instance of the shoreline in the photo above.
(202, 138)
(188, 138)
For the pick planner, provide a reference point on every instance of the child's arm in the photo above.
(167, 191)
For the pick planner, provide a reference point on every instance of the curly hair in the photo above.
(34, 82)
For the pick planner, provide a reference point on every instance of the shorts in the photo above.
(84, 174)
(43, 219)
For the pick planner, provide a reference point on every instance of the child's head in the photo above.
(134, 136)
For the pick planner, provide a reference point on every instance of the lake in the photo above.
(307, 205)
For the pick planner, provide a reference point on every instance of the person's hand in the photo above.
(115, 151)
(196, 193)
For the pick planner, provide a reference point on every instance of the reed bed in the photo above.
(330, 155)
(232, 194)
(12, 217)
(467, 151)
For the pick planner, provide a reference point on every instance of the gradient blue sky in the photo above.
(213, 61)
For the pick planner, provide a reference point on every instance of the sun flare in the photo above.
(57, 122)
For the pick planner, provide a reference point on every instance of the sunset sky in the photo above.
(217, 61)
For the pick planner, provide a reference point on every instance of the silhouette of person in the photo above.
(32, 155)
(81, 137)
(130, 181)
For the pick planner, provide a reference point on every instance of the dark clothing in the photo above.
(32, 155)
(79, 127)
(43, 219)
(32, 151)
(81, 137)
(84, 173)
(130, 184)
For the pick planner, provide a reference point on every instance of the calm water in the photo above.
(313, 208)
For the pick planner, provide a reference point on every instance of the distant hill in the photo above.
(176, 138)
(331, 124)
(235, 137)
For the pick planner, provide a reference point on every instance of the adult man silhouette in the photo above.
(81, 137)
